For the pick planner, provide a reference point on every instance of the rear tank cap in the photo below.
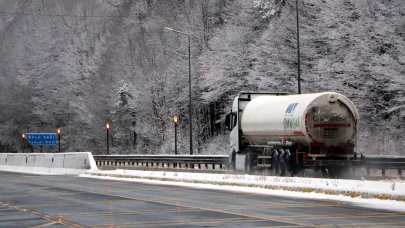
(332, 98)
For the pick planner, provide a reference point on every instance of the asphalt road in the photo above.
(67, 201)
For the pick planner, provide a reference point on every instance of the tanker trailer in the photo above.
(285, 133)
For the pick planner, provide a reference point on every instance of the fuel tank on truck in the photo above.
(328, 118)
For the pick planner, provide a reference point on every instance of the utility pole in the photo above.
(190, 108)
(107, 127)
(298, 49)
(59, 138)
(23, 142)
(176, 122)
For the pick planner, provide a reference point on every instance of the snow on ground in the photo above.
(389, 194)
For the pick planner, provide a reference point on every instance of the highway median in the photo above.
(364, 189)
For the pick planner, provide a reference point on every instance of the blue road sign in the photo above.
(42, 139)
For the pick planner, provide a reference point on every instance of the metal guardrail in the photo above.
(384, 162)
(221, 162)
(207, 162)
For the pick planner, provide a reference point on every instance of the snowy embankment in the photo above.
(389, 191)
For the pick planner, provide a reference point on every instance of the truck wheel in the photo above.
(281, 165)
(248, 163)
(274, 163)
(287, 163)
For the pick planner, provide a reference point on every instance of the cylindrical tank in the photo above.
(329, 119)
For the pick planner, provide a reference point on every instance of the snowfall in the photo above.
(383, 194)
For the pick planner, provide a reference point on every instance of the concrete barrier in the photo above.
(41, 160)
(48, 163)
(76, 161)
(59, 160)
(17, 159)
(3, 159)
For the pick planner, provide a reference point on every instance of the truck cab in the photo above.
(238, 144)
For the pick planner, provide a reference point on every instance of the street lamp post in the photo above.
(107, 126)
(176, 122)
(298, 49)
(59, 138)
(23, 142)
(189, 84)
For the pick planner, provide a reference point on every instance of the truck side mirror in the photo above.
(228, 121)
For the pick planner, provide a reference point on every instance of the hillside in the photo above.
(77, 64)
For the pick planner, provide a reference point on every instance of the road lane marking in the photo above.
(401, 215)
(43, 216)
(201, 208)
(368, 225)
(141, 212)
(67, 203)
(182, 222)
(45, 225)
(164, 200)
(303, 205)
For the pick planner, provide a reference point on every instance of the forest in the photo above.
(79, 64)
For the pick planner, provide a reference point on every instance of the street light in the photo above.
(23, 142)
(59, 138)
(298, 49)
(176, 122)
(166, 29)
(107, 126)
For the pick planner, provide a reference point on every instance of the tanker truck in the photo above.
(284, 134)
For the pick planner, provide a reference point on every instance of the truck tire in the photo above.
(274, 163)
(287, 163)
(281, 163)
(248, 163)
